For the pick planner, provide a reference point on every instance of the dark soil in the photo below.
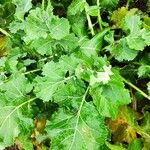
(140, 4)
(14, 147)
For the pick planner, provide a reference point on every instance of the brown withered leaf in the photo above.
(3, 46)
(123, 128)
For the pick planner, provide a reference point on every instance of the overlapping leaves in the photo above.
(83, 128)
(136, 39)
(76, 74)
(12, 117)
(22, 7)
(109, 97)
(109, 4)
(54, 77)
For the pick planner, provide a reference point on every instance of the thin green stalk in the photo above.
(89, 19)
(5, 32)
(90, 25)
(32, 71)
(136, 88)
(99, 16)
(43, 4)
(127, 5)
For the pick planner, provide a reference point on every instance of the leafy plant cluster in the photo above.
(74, 75)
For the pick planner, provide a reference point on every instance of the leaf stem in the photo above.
(5, 32)
(99, 16)
(82, 102)
(89, 19)
(127, 4)
(134, 101)
(32, 71)
(43, 4)
(78, 115)
(136, 88)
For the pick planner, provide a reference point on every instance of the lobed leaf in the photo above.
(109, 97)
(84, 129)
(54, 74)
(22, 7)
(76, 7)
(121, 50)
(12, 118)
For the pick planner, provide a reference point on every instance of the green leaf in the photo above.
(69, 43)
(60, 68)
(70, 94)
(109, 4)
(144, 70)
(43, 46)
(146, 36)
(45, 87)
(115, 147)
(20, 23)
(49, 8)
(109, 97)
(93, 10)
(15, 26)
(35, 25)
(11, 65)
(109, 37)
(76, 7)
(146, 22)
(132, 23)
(135, 145)
(39, 24)
(77, 130)
(93, 46)
(28, 62)
(78, 24)
(52, 58)
(121, 51)
(16, 87)
(136, 43)
(138, 38)
(22, 6)
(59, 28)
(9, 128)
(54, 77)
(12, 122)
(3, 2)
(12, 118)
